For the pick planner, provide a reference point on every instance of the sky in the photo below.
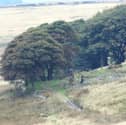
(5, 2)
(46, 1)
(10, 2)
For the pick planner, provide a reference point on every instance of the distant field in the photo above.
(14, 21)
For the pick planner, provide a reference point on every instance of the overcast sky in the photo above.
(7, 2)
(43, 1)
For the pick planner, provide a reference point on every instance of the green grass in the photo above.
(58, 85)
(55, 85)
(103, 73)
(94, 73)
(109, 99)
(105, 95)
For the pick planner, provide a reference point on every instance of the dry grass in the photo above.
(99, 102)
(22, 18)
(14, 21)
(32, 111)
(105, 95)
(109, 98)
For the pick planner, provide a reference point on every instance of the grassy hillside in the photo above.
(100, 100)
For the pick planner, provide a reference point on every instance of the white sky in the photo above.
(43, 1)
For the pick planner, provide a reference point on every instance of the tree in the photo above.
(65, 34)
(41, 53)
(78, 26)
(105, 33)
(32, 56)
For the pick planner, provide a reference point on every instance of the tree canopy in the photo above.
(105, 35)
(41, 53)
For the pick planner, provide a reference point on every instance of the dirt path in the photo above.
(70, 103)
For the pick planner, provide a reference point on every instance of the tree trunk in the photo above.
(26, 83)
(43, 76)
(33, 86)
(103, 60)
(50, 73)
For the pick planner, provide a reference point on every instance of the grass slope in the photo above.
(102, 97)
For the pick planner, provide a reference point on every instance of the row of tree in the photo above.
(51, 50)
(103, 36)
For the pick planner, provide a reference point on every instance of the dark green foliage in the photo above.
(39, 53)
(50, 50)
(104, 34)
(61, 31)
(30, 56)
(64, 34)
(78, 26)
